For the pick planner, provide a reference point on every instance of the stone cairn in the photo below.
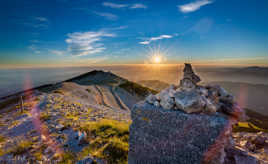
(184, 124)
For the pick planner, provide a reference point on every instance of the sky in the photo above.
(37, 33)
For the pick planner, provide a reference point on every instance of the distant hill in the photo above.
(95, 87)
(104, 88)
(251, 96)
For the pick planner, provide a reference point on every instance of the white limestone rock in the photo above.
(211, 107)
(203, 91)
(167, 102)
(224, 95)
(190, 102)
(157, 104)
(151, 99)
(187, 85)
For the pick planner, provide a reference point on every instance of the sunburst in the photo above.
(156, 55)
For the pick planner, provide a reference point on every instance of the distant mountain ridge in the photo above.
(96, 87)
(97, 77)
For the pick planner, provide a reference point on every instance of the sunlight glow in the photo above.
(157, 59)
(156, 55)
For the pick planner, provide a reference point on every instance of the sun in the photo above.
(157, 59)
(156, 56)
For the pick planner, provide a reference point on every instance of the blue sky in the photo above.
(86, 32)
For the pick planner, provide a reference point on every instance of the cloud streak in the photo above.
(34, 49)
(155, 39)
(86, 43)
(108, 16)
(41, 19)
(138, 6)
(193, 6)
(34, 22)
(120, 6)
(114, 5)
(57, 52)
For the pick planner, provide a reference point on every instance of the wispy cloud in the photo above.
(203, 26)
(95, 60)
(121, 28)
(41, 19)
(114, 5)
(148, 41)
(57, 52)
(193, 6)
(108, 16)
(119, 6)
(34, 49)
(138, 6)
(86, 43)
(34, 41)
(35, 22)
(115, 28)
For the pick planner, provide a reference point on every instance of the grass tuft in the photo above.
(20, 148)
(67, 158)
(136, 88)
(44, 116)
(108, 140)
(247, 127)
(2, 139)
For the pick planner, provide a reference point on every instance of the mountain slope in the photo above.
(154, 84)
(56, 116)
(106, 88)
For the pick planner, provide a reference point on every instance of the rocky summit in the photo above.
(187, 123)
(193, 98)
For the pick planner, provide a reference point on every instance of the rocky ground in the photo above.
(61, 120)
(255, 144)
(50, 125)
(80, 122)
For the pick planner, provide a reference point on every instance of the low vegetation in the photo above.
(154, 84)
(60, 91)
(38, 155)
(108, 140)
(67, 158)
(14, 124)
(248, 127)
(136, 88)
(2, 139)
(44, 116)
(256, 123)
(20, 147)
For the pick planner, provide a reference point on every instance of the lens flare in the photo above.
(38, 124)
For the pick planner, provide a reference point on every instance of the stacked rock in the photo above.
(187, 123)
(193, 98)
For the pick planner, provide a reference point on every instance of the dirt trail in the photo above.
(100, 95)
(118, 100)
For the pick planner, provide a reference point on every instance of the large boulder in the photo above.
(158, 135)
(188, 123)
